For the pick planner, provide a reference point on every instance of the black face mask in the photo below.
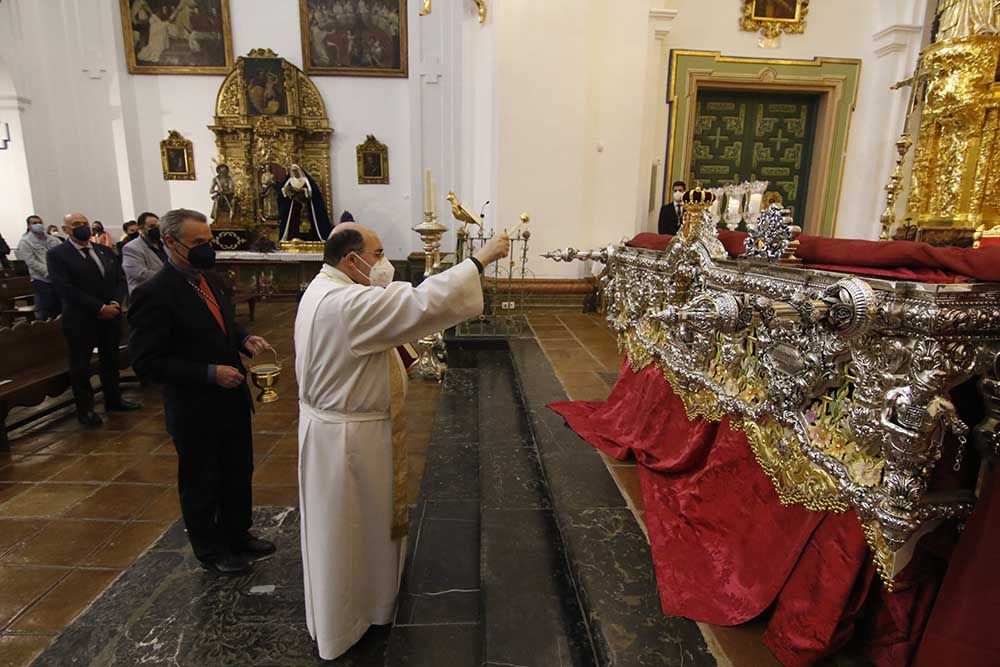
(202, 257)
(153, 234)
(82, 233)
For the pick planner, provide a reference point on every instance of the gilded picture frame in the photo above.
(774, 17)
(177, 155)
(177, 36)
(373, 162)
(338, 39)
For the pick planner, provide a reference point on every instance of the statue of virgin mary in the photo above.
(302, 209)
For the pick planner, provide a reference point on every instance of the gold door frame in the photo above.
(834, 80)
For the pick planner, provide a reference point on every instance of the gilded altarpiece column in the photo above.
(268, 116)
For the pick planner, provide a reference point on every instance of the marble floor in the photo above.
(80, 507)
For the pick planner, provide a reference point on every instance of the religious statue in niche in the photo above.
(264, 82)
(270, 190)
(302, 209)
(223, 193)
(373, 162)
(177, 36)
(347, 38)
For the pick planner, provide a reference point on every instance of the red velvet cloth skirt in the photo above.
(726, 550)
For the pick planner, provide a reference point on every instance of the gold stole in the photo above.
(400, 465)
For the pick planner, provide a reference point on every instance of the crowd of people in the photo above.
(183, 336)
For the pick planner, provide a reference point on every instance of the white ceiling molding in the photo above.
(662, 21)
(897, 38)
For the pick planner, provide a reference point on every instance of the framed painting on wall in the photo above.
(177, 36)
(373, 162)
(344, 38)
(177, 155)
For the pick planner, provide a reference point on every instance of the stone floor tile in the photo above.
(115, 501)
(62, 542)
(57, 608)
(135, 443)
(46, 499)
(126, 545)
(21, 650)
(277, 471)
(36, 468)
(165, 506)
(276, 496)
(95, 468)
(13, 531)
(10, 490)
(21, 586)
(151, 470)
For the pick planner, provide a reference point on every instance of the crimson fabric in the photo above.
(962, 628)
(725, 549)
(899, 260)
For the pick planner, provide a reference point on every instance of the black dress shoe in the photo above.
(125, 406)
(255, 548)
(90, 419)
(231, 565)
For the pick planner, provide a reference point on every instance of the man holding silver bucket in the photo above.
(184, 336)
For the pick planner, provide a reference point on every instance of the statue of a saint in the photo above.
(268, 196)
(223, 193)
(303, 212)
(965, 18)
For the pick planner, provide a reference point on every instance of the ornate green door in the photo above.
(755, 136)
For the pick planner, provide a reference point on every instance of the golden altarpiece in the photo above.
(268, 116)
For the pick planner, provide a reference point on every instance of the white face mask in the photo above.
(381, 274)
(678, 196)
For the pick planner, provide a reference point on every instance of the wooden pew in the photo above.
(35, 366)
(17, 299)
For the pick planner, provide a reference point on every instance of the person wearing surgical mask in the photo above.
(672, 213)
(350, 322)
(144, 256)
(32, 249)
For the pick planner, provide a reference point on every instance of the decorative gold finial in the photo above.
(426, 9)
(697, 199)
(481, 5)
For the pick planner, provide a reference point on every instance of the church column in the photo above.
(657, 115)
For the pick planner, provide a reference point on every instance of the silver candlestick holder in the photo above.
(429, 365)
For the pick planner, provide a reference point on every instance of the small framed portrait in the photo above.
(373, 162)
(177, 36)
(177, 155)
(774, 18)
(776, 10)
(347, 38)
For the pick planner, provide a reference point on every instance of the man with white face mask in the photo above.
(350, 320)
(672, 214)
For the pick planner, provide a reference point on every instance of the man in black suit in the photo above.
(184, 336)
(88, 279)
(671, 215)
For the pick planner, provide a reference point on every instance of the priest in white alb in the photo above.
(350, 321)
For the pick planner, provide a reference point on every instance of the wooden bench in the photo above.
(17, 299)
(35, 366)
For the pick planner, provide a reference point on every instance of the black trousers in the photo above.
(214, 478)
(106, 337)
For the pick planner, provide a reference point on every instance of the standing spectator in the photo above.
(89, 280)
(32, 249)
(54, 231)
(145, 256)
(101, 236)
(4, 251)
(183, 336)
(130, 231)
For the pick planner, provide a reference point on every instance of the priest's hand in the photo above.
(255, 345)
(228, 377)
(494, 249)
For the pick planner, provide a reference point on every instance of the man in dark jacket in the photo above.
(184, 336)
(672, 213)
(89, 281)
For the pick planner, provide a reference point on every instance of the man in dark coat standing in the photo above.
(91, 285)
(184, 336)
(672, 213)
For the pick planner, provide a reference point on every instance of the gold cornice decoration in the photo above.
(753, 20)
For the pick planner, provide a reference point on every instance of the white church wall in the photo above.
(16, 202)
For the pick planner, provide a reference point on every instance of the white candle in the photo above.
(734, 205)
(433, 206)
(755, 201)
(428, 192)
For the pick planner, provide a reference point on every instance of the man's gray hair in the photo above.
(171, 222)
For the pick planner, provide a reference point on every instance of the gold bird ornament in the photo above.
(463, 214)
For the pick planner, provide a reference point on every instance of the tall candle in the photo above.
(428, 192)
(756, 199)
(734, 205)
(433, 205)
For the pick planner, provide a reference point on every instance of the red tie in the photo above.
(206, 295)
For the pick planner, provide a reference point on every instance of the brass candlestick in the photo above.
(894, 187)
(428, 365)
